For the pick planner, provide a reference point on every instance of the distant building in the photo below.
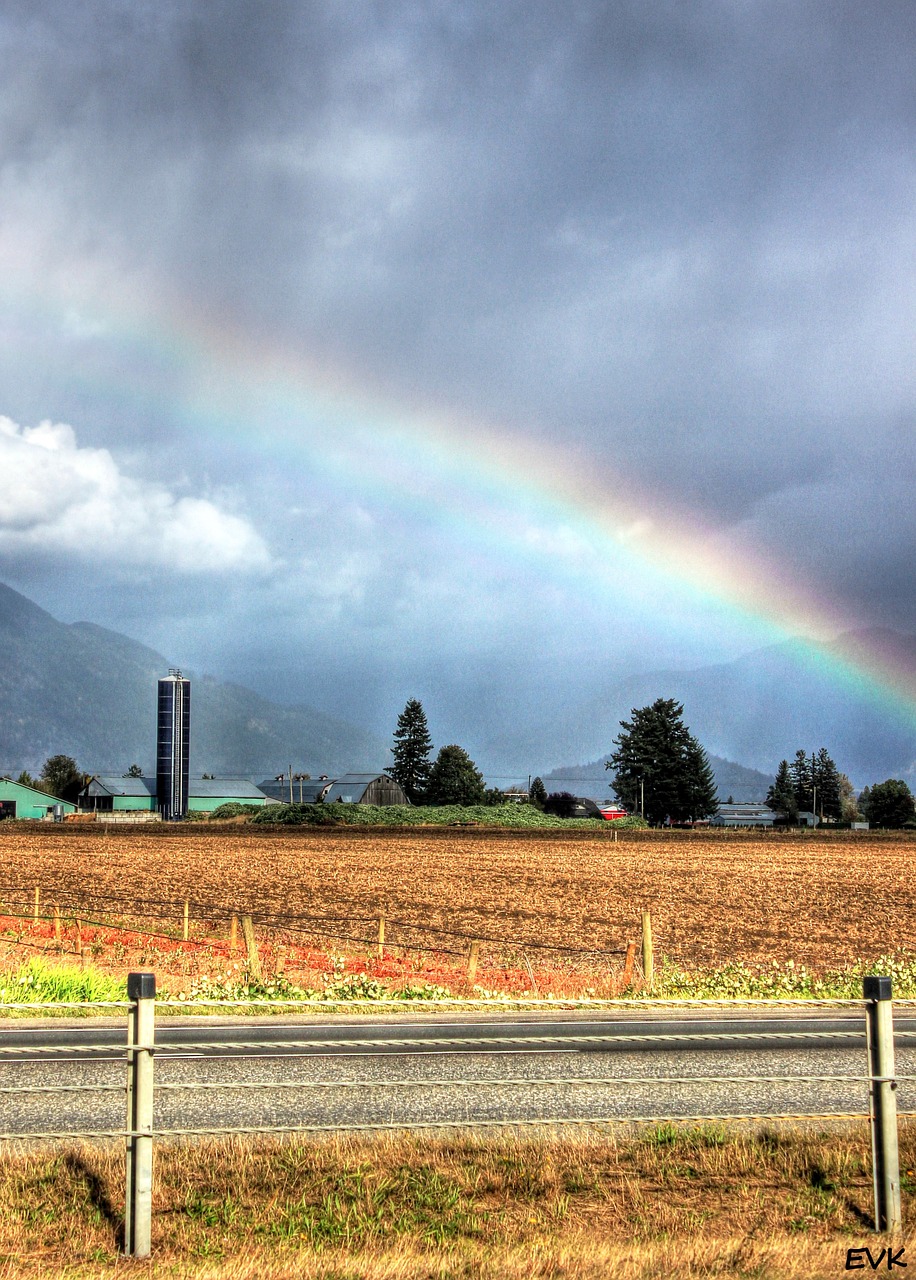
(173, 746)
(106, 794)
(303, 791)
(744, 815)
(17, 801)
(366, 788)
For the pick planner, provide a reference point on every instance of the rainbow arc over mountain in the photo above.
(501, 492)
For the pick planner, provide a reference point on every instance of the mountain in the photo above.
(768, 704)
(593, 780)
(83, 691)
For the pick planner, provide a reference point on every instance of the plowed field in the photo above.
(818, 899)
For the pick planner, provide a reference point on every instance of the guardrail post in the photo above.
(648, 957)
(879, 1021)
(141, 1030)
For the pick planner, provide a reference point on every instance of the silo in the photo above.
(172, 746)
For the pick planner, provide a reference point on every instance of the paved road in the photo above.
(457, 1070)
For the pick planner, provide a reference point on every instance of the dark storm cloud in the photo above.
(677, 238)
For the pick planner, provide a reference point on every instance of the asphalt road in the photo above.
(442, 1070)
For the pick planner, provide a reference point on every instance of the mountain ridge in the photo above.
(83, 690)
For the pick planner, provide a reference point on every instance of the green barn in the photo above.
(106, 794)
(17, 801)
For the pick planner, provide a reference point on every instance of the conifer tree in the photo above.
(537, 794)
(455, 779)
(658, 761)
(825, 777)
(781, 795)
(411, 748)
(800, 773)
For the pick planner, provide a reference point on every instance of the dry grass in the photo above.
(715, 896)
(694, 1203)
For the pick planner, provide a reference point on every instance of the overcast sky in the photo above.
(315, 316)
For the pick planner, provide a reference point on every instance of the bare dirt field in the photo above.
(817, 899)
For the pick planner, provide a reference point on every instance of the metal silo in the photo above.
(172, 746)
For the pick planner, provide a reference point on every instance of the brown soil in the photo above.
(819, 899)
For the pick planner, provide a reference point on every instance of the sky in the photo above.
(487, 354)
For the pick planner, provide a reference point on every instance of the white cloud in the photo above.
(57, 496)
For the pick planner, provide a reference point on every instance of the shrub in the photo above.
(235, 809)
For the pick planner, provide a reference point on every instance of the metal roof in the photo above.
(113, 785)
(231, 788)
(310, 791)
(353, 786)
(198, 788)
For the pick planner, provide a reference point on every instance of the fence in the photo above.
(219, 924)
(140, 1131)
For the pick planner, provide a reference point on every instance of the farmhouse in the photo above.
(17, 801)
(107, 794)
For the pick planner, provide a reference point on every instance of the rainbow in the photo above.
(499, 494)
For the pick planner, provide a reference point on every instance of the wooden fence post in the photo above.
(648, 958)
(37, 903)
(473, 956)
(79, 937)
(628, 966)
(186, 920)
(254, 962)
(381, 937)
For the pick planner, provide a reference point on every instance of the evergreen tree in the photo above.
(800, 773)
(412, 745)
(825, 778)
(537, 793)
(25, 779)
(455, 779)
(781, 795)
(658, 759)
(888, 804)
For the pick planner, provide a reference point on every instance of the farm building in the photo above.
(109, 794)
(366, 788)
(304, 791)
(105, 794)
(207, 794)
(744, 815)
(18, 801)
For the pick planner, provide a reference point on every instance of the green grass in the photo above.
(39, 981)
(739, 981)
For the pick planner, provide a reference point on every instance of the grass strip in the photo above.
(665, 1201)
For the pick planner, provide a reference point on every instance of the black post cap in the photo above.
(141, 986)
(876, 988)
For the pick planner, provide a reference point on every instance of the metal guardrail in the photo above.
(140, 1132)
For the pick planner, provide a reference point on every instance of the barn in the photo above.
(366, 788)
(106, 794)
(18, 801)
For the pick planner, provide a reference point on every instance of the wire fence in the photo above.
(200, 925)
(309, 1078)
